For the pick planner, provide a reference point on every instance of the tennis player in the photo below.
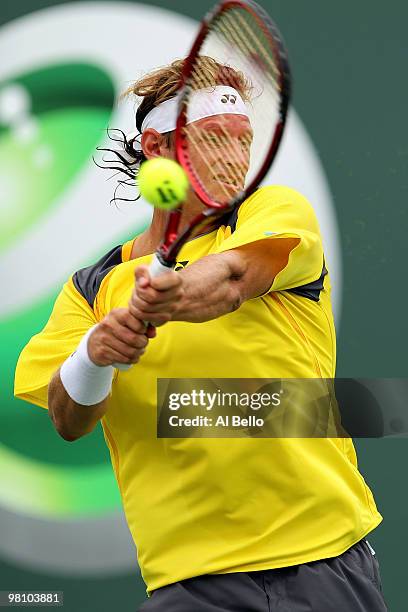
(250, 524)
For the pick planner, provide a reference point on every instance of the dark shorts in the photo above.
(348, 583)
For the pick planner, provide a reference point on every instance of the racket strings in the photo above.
(211, 157)
(238, 41)
(257, 54)
(258, 37)
(200, 81)
(229, 32)
(247, 44)
(232, 171)
(241, 29)
(201, 141)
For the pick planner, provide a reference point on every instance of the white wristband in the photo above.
(84, 381)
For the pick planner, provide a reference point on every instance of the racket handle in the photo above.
(156, 268)
(122, 366)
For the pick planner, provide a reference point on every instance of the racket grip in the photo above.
(122, 366)
(156, 268)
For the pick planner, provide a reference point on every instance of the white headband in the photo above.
(219, 100)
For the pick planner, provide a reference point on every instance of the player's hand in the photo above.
(156, 299)
(119, 338)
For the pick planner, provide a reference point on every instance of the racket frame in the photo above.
(173, 241)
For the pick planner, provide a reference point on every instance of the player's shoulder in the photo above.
(87, 281)
(279, 195)
(272, 200)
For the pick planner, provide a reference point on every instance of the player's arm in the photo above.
(213, 286)
(71, 420)
(79, 390)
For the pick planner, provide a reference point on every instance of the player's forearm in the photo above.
(71, 420)
(213, 286)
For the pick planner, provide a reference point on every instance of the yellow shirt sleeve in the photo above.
(281, 212)
(70, 319)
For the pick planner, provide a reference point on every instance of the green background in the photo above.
(349, 61)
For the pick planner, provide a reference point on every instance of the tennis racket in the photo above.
(224, 169)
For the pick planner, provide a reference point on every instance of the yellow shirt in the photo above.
(195, 505)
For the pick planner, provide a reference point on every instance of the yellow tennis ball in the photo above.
(163, 182)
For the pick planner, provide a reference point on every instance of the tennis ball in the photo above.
(163, 182)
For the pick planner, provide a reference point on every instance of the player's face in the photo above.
(219, 149)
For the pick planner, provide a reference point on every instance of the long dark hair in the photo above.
(125, 161)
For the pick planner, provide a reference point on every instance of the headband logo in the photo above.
(228, 98)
